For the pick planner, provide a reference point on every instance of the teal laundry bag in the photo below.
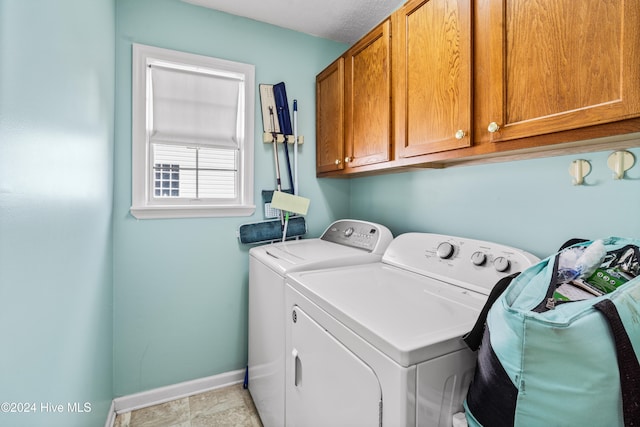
(558, 352)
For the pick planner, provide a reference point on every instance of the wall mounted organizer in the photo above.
(267, 138)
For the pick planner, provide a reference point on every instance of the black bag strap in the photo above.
(627, 364)
(571, 242)
(474, 337)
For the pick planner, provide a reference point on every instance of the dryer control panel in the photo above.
(472, 264)
(364, 235)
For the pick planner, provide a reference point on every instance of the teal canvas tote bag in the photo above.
(560, 344)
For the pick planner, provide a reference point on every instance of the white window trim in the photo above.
(141, 207)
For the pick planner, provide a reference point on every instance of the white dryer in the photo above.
(380, 344)
(345, 242)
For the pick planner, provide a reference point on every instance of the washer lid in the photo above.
(409, 317)
(310, 254)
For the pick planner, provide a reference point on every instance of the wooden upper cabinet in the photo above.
(368, 99)
(554, 65)
(330, 118)
(544, 75)
(432, 72)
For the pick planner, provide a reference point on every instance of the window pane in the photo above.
(217, 184)
(195, 172)
(217, 158)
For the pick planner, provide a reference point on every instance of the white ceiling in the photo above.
(340, 20)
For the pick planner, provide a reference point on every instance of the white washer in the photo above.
(345, 242)
(380, 344)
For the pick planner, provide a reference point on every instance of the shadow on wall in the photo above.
(333, 203)
(531, 204)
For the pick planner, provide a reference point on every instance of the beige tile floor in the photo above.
(224, 407)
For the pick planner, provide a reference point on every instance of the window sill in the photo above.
(166, 212)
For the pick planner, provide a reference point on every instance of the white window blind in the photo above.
(191, 119)
(191, 106)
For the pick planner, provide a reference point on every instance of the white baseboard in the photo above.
(172, 392)
(111, 416)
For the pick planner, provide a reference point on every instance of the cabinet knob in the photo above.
(347, 159)
(460, 134)
(337, 162)
(493, 127)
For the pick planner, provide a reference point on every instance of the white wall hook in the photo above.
(620, 162)
(578, 170)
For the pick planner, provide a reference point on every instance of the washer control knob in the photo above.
(478, 258)
(445, 250)
(348, 232)
(501, 264)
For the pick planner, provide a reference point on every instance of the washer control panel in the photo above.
(472, 264)
(364, 235)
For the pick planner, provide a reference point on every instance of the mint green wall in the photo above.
(84, 318)
(56, 170)
(530, 204)
(180, 285)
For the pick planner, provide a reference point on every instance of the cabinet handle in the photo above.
(338, 162)
(460, 134)
(348, 159)
(493, 127)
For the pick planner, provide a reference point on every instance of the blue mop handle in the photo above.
(295, 147)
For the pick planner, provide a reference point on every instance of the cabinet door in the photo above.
(368, 99)
(432, 76)
(330, 118)
(559, 64)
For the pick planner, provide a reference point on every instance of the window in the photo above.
(192, 141)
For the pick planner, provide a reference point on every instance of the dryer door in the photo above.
(326, 384)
